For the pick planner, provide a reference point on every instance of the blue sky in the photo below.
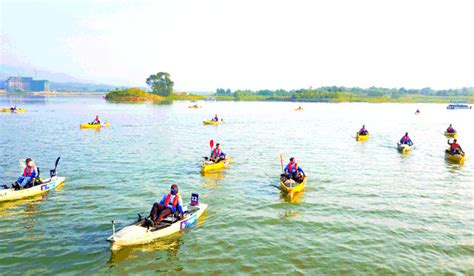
(246, 44)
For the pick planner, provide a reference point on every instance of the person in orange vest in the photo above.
(454, 147)
(29, 174)
(96, 120)
(217, 154)
(169, 204)
(293, 171)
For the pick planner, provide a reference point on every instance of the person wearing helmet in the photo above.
(28, 176)
(169, 204)
(293, 171)
(406, 140)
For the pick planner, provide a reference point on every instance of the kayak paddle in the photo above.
(281, 162)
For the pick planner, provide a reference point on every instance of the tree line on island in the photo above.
(342, 93)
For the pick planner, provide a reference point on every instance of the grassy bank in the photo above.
(137, 95)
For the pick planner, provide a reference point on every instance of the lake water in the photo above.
(366, 207)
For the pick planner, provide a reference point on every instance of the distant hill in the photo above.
(58, 81)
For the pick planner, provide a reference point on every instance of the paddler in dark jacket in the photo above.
(169, 204)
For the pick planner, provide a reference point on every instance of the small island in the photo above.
(161, 92)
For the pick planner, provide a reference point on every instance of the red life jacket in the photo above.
(175, 200)
(216, 152)
(30, 171)
(454, 146)
(405, 138)
(291, 167)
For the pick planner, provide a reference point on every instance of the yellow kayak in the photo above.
(208, 166)
(45, 186)
(291, 187)
(13, 111)
(94, 125)
(361, 137)
(450, 134)
(299, 109)
(454, 158)
(210, 123)
(194, 106)
(404, 148)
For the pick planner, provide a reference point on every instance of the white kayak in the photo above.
(137, 233)
(46, 185)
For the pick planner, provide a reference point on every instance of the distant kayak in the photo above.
(291, 187)
(137, 233)
(215, 123)
(194, 106)
(361, 137)
(13, 111)
(299, 109)
(88, 125)
(208, 166)
(404, 148)
(454, 158)
(450, 134)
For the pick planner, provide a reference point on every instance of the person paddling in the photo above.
(363, 131)
(406, 140)
(13, 108)
(217, 154)
(450, 129)
(293, 170)
(215, 119)
(96, 121)
(169, 204)
(29, 174)
(455, 148)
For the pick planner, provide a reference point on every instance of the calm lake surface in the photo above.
(366, 207)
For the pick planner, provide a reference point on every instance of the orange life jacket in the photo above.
(175, 200)
(292, 167)
(30, 171)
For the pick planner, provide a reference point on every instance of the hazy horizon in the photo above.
(243, 44)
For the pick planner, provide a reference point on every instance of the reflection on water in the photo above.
(170, 244)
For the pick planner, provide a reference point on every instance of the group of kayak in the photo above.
(454, 153)
(13, 109)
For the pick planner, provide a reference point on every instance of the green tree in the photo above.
(160, 84)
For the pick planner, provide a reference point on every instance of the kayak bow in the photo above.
(450, 134)
(361, 137)
(292, 187)
(403, 148)
(454, 158)
(208, 166)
